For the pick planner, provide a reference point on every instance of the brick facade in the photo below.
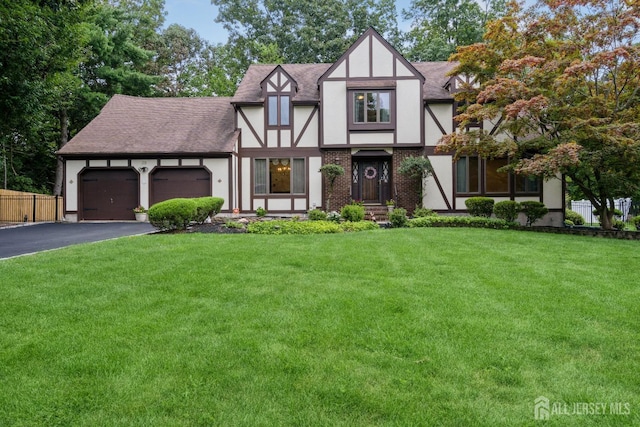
(404, 189)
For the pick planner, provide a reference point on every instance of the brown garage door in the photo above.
(179, 182)
(109, 194)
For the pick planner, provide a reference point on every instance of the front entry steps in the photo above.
(377, 213)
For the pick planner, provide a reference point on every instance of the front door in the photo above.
(371, 182)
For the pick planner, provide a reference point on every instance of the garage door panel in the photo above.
(109, 194)
(180, 182)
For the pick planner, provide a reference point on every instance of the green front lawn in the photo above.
(400, 327)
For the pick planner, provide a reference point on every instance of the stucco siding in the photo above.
(310, 136)
(359, 60)
(409, 107)
(334, 113)
(219, 179)
(315, 182)
(443, 169)
(255, 116)
(377, 138)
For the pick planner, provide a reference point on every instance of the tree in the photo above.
(419, 169)
(440, 26)
(304, 32)
(331, 172)
(565, 82)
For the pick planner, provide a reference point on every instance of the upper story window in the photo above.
(372, 107)
(279, 110)
(278, 89)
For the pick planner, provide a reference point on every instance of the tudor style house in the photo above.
(264, 146)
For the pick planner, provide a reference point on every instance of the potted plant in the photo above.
(141, 213)
(391, 204)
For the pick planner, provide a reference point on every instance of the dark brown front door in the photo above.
(370, 182)
(179, 182)
(109, 194)
(371, 179)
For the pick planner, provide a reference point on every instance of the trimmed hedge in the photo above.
(533, 210)
(574, 217)
(317, 215)
(308, 227)
(359, 226)
(398, 218)
(173, 214)
(507, 210)
(479, 206)
(353, 213)
(420, 212)
(207, 207)
(461, 221)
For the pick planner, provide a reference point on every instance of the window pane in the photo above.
(372, 107)
(280, 175)
(273, 110)
(496, 182)
(461, 175)
(299, 174)
(260, 176)
(527, 184)
(474, 174)
(284, 111)
(385, 107)
(358, 107)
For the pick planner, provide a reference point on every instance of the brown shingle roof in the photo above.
(132, 125)
(307, 76)
(435, 77)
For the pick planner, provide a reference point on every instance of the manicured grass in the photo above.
(389, 327)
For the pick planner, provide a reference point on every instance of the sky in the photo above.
(201, 14)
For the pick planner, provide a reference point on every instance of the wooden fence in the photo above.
(16, 206)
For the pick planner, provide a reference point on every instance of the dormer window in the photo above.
(279, 110)
(278, 89)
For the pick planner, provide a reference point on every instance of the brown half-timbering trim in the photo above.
(495, 127)
(304, 128)
(442, 193)
(435, 119)
(251, 128)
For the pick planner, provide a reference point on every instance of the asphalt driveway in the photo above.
(39, 237)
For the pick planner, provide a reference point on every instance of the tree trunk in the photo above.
(64, 138)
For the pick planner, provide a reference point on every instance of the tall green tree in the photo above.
(304, 32)
(438, 27)
(564, 79)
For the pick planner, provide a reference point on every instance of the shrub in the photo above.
(479, 206)
(460, 221)
(618, 224)
(172, 214)
(359, 226)
(534, 211)
(422, 212)
(260, 212)
(352, 212)
(507, 210)
(293, 227)
(398, 218)
(568, 223)
(334, 216)
(574, 217)
(207, 207)
(317, 215)
(636, 222)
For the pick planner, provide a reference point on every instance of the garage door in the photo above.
(179, 182)
(109, 194)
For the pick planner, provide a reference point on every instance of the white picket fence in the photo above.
(585, 208)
